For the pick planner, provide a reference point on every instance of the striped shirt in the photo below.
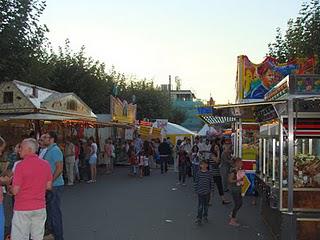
(215, 168)
(204, 182)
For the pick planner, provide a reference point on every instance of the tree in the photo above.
(22, 38)
(302, 37)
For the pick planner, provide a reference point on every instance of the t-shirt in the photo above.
(54, 155)
(204, 182)
(32, 175)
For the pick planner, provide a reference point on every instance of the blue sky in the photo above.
(199, 41)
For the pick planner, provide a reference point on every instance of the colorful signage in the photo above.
(255, 80)
(122, 111)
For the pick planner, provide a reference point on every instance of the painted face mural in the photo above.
(255, 80)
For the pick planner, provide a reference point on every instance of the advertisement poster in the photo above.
(122, 111)
(255, 80)
(128, 134)
(162, 124)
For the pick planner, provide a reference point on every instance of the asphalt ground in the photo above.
(121, 207)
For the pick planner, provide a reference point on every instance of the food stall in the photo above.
(289, 158)
(27, 110)
(288, 153)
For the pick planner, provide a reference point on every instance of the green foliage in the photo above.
(302, 37)
(21, 37)
(25, 56)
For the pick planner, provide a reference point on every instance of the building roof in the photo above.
(44, 95)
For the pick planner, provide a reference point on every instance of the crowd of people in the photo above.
(210, 163)
(33, 174)
(36, 171)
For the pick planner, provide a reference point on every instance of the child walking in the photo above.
(236, 182)
(203, 187)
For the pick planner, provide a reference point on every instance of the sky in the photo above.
(197, 40)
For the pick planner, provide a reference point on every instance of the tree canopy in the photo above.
(302, 37)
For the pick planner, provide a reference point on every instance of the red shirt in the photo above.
(32, 175)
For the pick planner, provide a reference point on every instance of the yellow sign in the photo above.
(156, 133)
(144, 131)
(246, 185)
(122, 111)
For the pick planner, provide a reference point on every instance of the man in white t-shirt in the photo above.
(205, 149)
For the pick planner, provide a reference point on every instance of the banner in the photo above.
(255, 80)
(162, 124)
(122, 111)
(128, 134)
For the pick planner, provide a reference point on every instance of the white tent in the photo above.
(209, 130)
(175, 129)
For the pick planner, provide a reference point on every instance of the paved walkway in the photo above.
(119, 207)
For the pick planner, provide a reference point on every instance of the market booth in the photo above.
(27, 110)
(287, 147)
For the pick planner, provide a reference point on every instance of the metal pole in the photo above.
(310, 146)
(264, 157)
(273, 160)
(236, 139)
(281, 161)
(260, 155)
(290, 165)
(240, 138)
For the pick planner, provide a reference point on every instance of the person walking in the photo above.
(165, 152)
(182, 165)
(214, 166)
(31, 179)
(107, 155)
(203, 187)
(236, 181)
(93, 160)
(55, 158)
(70, 159)
(195, 160)
(225, 165)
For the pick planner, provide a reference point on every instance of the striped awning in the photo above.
(214, 120)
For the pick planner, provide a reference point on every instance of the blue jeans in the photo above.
(54, 212)
(203, 205)
(1, 221)
(164, 163)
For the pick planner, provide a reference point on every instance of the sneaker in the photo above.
(226, 202)
(205, 220)
(70, 184)
(198, 221)
(178, 183)
(234, 223)
(184, 184)
(90, 181)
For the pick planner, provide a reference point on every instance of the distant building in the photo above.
(186, 101)
(182, 95)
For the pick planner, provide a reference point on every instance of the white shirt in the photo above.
(42, 152)
(94, 148)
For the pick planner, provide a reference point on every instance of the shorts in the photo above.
(93, 160)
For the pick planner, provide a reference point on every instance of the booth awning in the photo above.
(39, 116)
(255, 111)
